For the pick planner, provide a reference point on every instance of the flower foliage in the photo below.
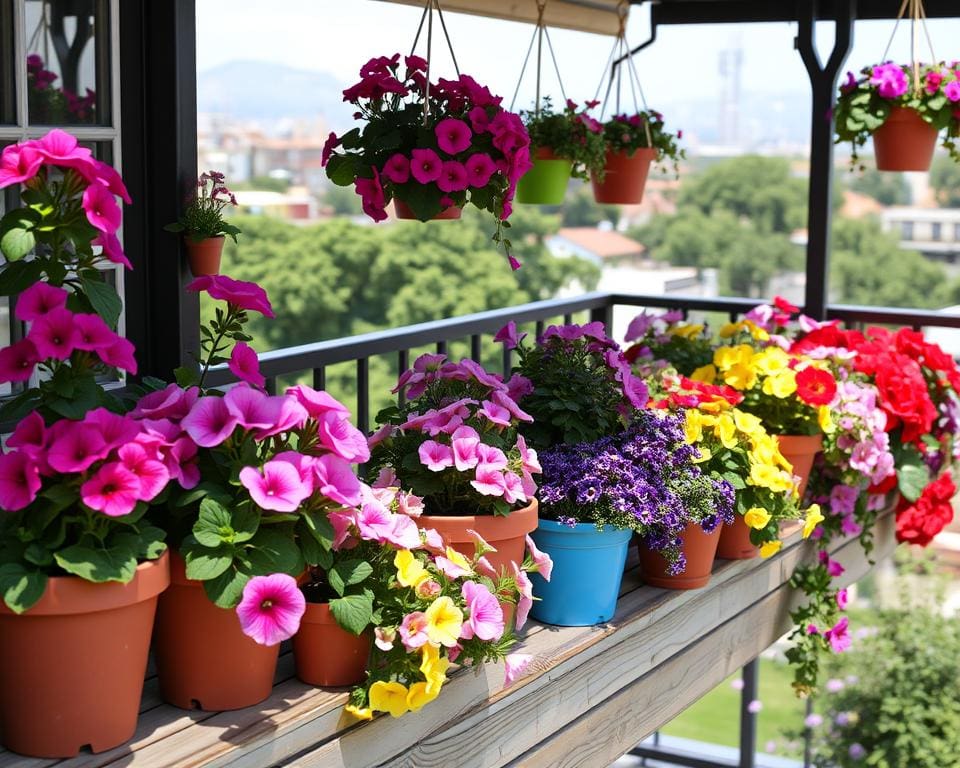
(570, 134)
(645, 129)
(455, 440)
(865, 102)
(52, 105)
(662, 340)
(202, 217)
(448, 144)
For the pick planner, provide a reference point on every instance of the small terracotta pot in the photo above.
(326, 654)
(204, 255)
(625, 177)
(204, 660)
(905, 142)
(508, 534)
(72, 667)
(699, 548)
(403, 211)
(735, 541)
(800, 451)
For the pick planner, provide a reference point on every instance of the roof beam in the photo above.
(740, 11)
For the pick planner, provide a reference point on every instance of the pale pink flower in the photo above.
(489, 482)
(383, 638)
(428, 589)
(113, 490)
(245, 365)
(839, 636)
(515, 666)
(541, 560)
(842, 599)
(485, 568)
(402, 532)
(380, 435)
(271, 608)
(482, 545)
(525, 586)
(485, 619)
(19, 481)
(464, 443)
(435, 456)
(210, 421)
(39, 299)
(335, 479)
(513, 488)
(413, 630)
(278, 488)
(431, 539)
(342, 523)
(18, 360)
(448, 565)
(495, 414)
(489, 457)
(409, 504)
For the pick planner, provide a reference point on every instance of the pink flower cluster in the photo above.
(42, 78)
(20, 163)
(890, 79)
(116, 461)
(55, 334)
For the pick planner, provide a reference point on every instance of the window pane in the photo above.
(8, 99)
(68, 62)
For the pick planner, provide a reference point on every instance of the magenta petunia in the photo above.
(240, 293)
(209, 422)
(245, 365)
(120, 355)
(335, 479)
(397, 169)
(288, 414)
(18, 164)
(952, 90)
(106, 174)
(19, 481)
(30, 435)
(342, 438)
(75, 446)
(251, 408)
(271, 608)
(425, 165)
(453, 136)
(18, 360)
(890, 79)
(93, 334)
(515, 666)
(453, 177)
(479, 119)
(485, 616)
(172, 402)
(151, 473)
(480, 167)
(101, 208)
(38, 300)
(317, 402)
(115, 429)
(112, 249)
(61, 148)
(114, 490)
(373, 199)
(839, 636)
(278, 487)
(54, 334)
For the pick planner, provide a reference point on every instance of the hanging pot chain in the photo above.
(918, 21)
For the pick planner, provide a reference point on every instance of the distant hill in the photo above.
(260, 90)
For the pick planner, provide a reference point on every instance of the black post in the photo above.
(823, 81)
(748, 719)
(158, 52)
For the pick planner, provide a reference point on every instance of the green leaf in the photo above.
(103, 298)
(354, 612)
(319, 525)
(17, 277)
(17, 243)
(274, 551)
(204, 563)
(20, 587)
(214, 525)
(342, 170)
(347, 573)
(151, 543)
(116, 563)
(38, 555)
(226, 589)
(311, 550)
(912, 479)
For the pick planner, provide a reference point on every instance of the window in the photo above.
(906, 230)
(936, 231)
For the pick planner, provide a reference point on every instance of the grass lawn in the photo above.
(716, 717)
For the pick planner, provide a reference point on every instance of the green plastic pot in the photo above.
(545, 183)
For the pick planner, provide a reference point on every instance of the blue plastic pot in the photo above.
(587, 570)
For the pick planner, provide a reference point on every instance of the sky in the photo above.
(338, 36)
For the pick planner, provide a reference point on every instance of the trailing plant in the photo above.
(570, 134)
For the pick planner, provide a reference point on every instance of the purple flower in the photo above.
(890, 79)
(857, 751)
(952, 90)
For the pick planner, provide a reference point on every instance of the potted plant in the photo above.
(80, 568)
(633, 142)
(454, 443)
(562, 144)
(581, 390)
(432, 148)
(904, 110)
(203, 225)
(666, 341)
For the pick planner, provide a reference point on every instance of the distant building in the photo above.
(296, 204)
(935, 232)
(602, 246)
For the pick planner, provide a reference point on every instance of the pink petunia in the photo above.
(425, 165)
(513, 488)
(515, 665)
(317, 402)
(435, 456)
(210, 422)
(120, 355)
(245, 365)
(172, 402)
(54, 334)
(842, 599)
(489, 481)
(505, 401)
(485, 619)
(251, 408)
(495, 414)
(38, 300)
(542, 561)
(93, 334)
(152, 474)
(479, 119)
(181, 463)
(115, 429)
(18, 163)
(18, 360)
(271, 608)
(525, 587)
(480, 168)
(453, 177)
(508, 335)
(278, 487)
(61, 148)
(342, 523)
(107, 175)
(453, 136)
(839, 636)
(490, 457)
(19, 481)
(242, 294)
(402, 532)
(101, 208)
(464, 442)
(29, 435)
(336, 481)
(413, 630)
(75, 446)
(397, 169)
(113, 490)
(112, 248)
(342, 438)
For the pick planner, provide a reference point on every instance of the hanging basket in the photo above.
(546, 183)
(905, 142)
(624, 177)
(405, 212)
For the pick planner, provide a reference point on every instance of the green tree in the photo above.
(581, 210)
(344, 200)
(945, 180)
(885, 188)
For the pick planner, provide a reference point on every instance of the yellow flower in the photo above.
(361, 714)
(826, 419)
(756, 331)
(434, 667)
(730, 329)
(813, 519)
(781, 385)
(727, 357)
(458, 559)
(771, 360)
(770, 548)
(410, 571)
(747, 422)
(756, 518)
(692, 426)
(389, 697)
(707, 373)
(686, 331)
(767, 476)
(418, 695)
(740, 376)
(726, 430)
(444, 620)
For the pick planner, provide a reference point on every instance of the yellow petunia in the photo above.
(747, 422)
(458, 559)
(418, 695)
(687, 331)
(726, 430)
(770, 548)
(410, 571)
(825, 418)
(706, 373)
(434, 667)
(361, 714)
(813, 519)
(771, 360)
(766, 476)
(756, 518)
(740, 376)
(692, 426)
(756, 331)
(730, 329)
(444, 621)
(781, 385)
(389, 697)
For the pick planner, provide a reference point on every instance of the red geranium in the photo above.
(816, 386)
(919, 522)
(905, 398)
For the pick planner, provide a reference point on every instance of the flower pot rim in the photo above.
(553, 526)
(799, 442)
(523, 512)
(200, 240)
(67, 595)
(638, 153)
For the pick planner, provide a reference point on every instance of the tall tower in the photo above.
(731, 61)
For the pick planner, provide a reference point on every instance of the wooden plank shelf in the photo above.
(590, 694)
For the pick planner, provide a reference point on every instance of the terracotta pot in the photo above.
(204, 255)
(403, 211)
(326, 654)
(905, 142)
(699, 548)
(735, 541)
(72, 667)
(800, 451)
(625, 177)
(203, 658)
(507, 534)
(546, 182)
